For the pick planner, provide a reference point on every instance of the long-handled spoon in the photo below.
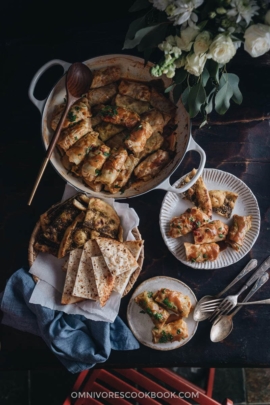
(78, 80)
(199, 314)
(224, 325)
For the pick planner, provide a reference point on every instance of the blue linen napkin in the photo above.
(79, 343)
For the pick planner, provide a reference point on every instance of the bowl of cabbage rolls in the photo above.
(160, 313)
(216, 222)
(124, 137)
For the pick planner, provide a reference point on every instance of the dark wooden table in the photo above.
(242, 149)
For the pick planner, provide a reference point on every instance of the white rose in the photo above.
(202, 42)
(160, 4)
(257, 40)
(187, 37)
(195, 63)
(267, 17)
(222, 49)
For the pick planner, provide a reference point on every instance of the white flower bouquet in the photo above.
(198, 38)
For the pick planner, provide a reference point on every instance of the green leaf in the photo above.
(177, 91)
(234, 81)
(213, 69)
(153, 36)
(180, 76)
(228, 89)
(205, 76)
(135, 26)
(209, 106)
(185, 95)
(202, 24)
(131, 43)
(168, 89)
(196, 98)
(223, 96)
(139, 5)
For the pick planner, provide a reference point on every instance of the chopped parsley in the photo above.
(98, 172)
(77, 108)
(169, 304)
(109, 111)
(116, 186)
(138, 127)
(122, 190)
(193, 260)
(158, 316)
(106, 154)
(87, 150)
(205, 256)
(198, 223)
(191, 219)
(220, 229)
(149, 294)
(220, 235)
(71, 117)
(165, 337)
(76, 138)
(178, 331)
(179, 227)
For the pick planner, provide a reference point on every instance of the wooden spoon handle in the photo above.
(51, 147)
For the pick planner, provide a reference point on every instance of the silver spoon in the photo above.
(199, 314)
(223, 327)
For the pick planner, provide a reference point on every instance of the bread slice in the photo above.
(104, 279)
(85, 283)
(116, 255)
(73, 263)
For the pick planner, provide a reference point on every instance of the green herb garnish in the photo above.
(169, 304)
(109, 111)
(191, 219)
(220, 229)
(142, 312)
(198, 224)
(76, 138)
(178, 331)
(193, 260)
(149, 294)
(116, 186)
(71, 117)
(205, 256)
(106, 154)
(220, 235)
(98, 172)
(158, 316)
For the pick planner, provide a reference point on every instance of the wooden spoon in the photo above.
(78, 81)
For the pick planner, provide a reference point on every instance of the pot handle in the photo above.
(40, 103)
(166, 184)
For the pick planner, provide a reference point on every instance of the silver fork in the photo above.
(231, 301)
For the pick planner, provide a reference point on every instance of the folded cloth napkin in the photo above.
(79, 343)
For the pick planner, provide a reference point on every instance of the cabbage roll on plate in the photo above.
(191, 219)
(201, 253)
(214, 231)
(158, 314)
(238, 230)
(171, 332)
(174, 301)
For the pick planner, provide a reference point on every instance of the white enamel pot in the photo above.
(132, 68)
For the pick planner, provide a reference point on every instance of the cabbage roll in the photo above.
(155, 119)
(118, 140)
(214, 231)
(132, 104)
(72, 134)
(191, 219)
(106, 130)
(79, 111)
(97, 187)
(174, 301)
(238, 230)
(162, 103)
(102, 94)
(94, 161)
(223, 202)
(112, 166)
(201, 253)
(119, 116)
(124, 175)
(152, 165)
(105, 76)
(138, 137)
(152, 144)
(158, 314)
(79, 150)
(171, 332)
(135, 90)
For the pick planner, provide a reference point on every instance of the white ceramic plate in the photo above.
(246, 204)
(141, 324)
